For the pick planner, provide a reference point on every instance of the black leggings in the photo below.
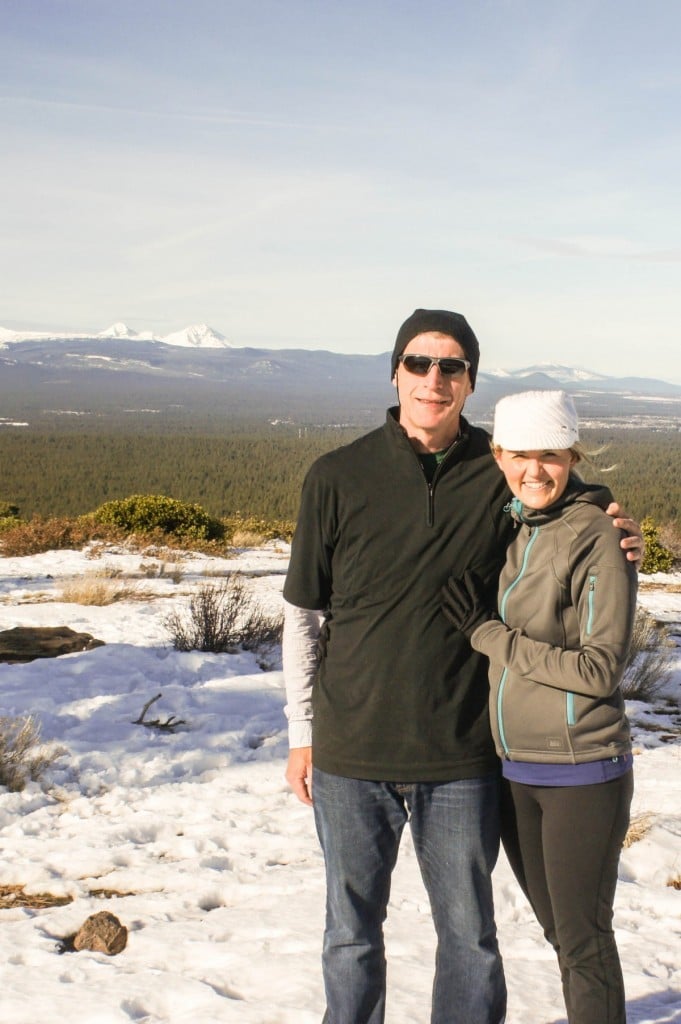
(563, 843)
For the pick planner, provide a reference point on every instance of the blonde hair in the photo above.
(581, 454)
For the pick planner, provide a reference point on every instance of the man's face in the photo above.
(430, 406)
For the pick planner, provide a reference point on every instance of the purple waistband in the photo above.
(583, 774)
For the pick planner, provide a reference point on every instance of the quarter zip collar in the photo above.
(459, 442)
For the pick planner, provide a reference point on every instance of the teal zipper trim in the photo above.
(516, 581)
(570, 708)
(591, 607)
(502, 613)
(591, 604)
(500, 716)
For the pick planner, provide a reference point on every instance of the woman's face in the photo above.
(537, 478)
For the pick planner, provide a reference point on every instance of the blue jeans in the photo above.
(455, 829)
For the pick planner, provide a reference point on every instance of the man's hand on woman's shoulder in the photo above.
(633, 544)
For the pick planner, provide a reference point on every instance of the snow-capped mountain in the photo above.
(197, 373)
(117, 330)
(558, 374)
(200, 336)
(8, 337)
(194, 336)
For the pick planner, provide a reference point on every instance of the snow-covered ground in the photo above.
(215, 864)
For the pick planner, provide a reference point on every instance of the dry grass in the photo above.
(93, 591)
(248, 539)
(109, 894)
(639, 827)
(100, 589)
(14, 896)
(160, 571)
(669, 588)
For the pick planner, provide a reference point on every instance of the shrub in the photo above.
(670, 537)
(657, 558)
(649, 665)
(40, 534)
(247, 528)
(22, 755)
(9, 516)
(146, 513)
(262, 631)
(221, 618)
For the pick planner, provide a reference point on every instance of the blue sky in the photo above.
(305, 173)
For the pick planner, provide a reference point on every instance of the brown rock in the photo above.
(102, 933)
(26, 643)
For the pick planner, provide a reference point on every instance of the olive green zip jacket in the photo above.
(567, 600)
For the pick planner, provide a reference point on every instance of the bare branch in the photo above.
(170, 723)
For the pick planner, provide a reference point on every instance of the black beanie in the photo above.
(441, 321)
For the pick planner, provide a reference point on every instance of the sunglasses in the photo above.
(421, 365)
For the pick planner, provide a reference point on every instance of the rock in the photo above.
(26, 643)
(102, 933)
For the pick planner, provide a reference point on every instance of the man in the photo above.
(400, 728)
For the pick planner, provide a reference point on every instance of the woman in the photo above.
(557, 652)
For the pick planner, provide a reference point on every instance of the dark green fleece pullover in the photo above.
(399, 695)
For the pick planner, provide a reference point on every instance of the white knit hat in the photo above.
(533, 420)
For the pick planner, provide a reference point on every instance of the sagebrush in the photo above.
(18, 538)
(649, 664)
(140, 519)
(23, 756)
(222, 618)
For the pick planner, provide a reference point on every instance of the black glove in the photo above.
(465, 604)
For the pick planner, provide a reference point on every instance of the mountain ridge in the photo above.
(194, 336)
(202, 373)
(202, 337)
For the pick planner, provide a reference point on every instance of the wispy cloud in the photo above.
(600, 247)
(268, 168)
(241, 118)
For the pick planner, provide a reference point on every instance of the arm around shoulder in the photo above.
(633, 544)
